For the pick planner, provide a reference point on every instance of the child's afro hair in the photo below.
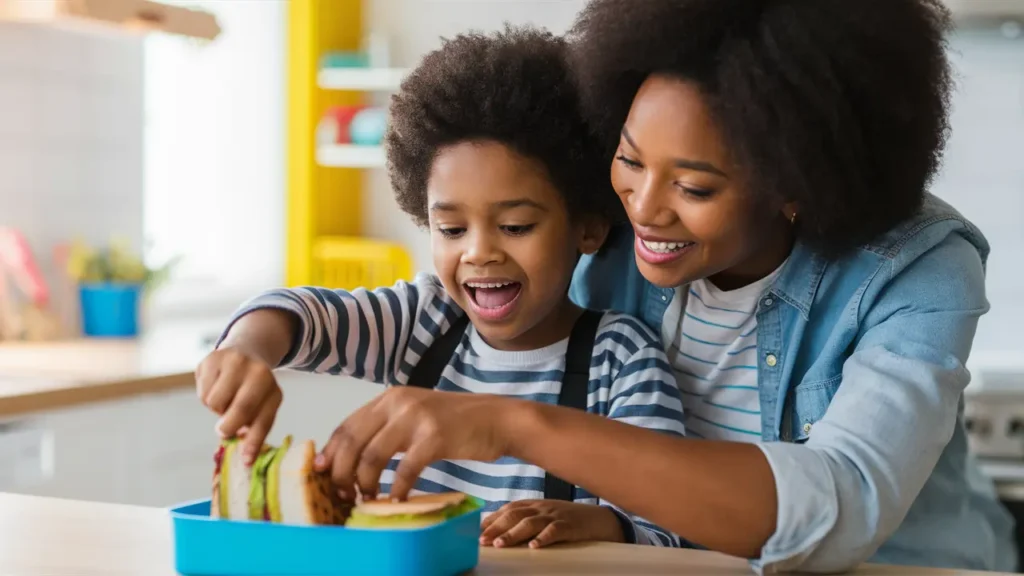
(513, 87)
(838, 105)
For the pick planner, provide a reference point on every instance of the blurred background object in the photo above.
(246, 151)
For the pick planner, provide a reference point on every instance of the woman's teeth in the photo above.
(665, 247)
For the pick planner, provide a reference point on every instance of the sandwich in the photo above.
(415, 512)
(280, 486)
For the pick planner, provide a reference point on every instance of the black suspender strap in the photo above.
(427, 372)
(575, 381)
(575, 386)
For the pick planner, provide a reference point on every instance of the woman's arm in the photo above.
(720, 495)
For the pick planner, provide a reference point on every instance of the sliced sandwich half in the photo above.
(281, 486)
(415, 512)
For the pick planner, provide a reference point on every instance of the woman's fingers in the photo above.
(376, 455)
(421, 453)
(341, 453)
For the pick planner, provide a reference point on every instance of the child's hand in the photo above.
(546, 522)
(243, 391)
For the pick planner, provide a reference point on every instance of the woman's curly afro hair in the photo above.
(513, 87)
(838, 105)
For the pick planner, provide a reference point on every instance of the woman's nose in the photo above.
(646, 205)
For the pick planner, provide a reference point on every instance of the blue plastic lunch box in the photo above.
(205, 546)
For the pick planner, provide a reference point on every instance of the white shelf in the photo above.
(350, 156)
(365, 79)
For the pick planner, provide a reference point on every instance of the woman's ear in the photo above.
(790, 211)
(595, 231)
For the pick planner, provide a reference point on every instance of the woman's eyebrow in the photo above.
(698, 165)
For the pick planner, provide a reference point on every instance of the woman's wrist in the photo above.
(518, 424)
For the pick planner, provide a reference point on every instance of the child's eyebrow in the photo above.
(520, 203)
(503, 205)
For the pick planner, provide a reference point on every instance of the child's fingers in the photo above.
(501, 522)
(523, 531)
(553, 533)
(221, 393)
(246, 404)
(206, 376)
(257, 432)
(376, 455)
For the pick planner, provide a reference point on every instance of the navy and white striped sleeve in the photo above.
(642, 392)
(376, 335)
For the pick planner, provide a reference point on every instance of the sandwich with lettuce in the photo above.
(415, 512)
(280, 486)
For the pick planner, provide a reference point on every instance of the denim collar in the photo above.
(799, 279)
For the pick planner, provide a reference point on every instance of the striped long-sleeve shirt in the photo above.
(380, 335)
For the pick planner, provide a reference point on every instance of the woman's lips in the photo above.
(659, 252)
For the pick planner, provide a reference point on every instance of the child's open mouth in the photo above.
(493, 299)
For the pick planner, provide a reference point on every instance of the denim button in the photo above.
(771, 360)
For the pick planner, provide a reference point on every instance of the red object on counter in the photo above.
(333, 126)
(16, 256)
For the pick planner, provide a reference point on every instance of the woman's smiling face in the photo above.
(686, 199)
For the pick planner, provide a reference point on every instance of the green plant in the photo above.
(114, 264)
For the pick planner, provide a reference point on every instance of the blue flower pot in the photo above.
(110, 310)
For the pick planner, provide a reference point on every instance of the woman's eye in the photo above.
(518, 230)
(628, 163)
(698, 193)
(451, 231)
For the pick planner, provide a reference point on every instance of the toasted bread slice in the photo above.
(413, 506)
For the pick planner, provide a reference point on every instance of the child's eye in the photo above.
(451, 231)
(628, 163)
(518, 230)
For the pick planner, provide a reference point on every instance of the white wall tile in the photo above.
(18, 104)
(70, 137)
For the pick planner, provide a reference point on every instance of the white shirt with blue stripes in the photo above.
(713, 336)
(379, 335)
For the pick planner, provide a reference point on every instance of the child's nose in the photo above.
(481, 250)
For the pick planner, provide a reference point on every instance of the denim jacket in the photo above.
(861, 377)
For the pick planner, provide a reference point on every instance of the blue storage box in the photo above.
(212, 546)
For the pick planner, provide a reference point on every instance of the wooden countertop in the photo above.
(53, 375)
(93, 538)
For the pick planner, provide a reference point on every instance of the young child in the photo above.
(487, 147)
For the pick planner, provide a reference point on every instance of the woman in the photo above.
(818, 305)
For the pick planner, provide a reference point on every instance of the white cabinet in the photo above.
(157, 449)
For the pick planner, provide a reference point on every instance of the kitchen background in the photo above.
(238, 145)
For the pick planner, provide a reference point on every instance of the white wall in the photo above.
(215, 156)
(983, 173)
(70, 136)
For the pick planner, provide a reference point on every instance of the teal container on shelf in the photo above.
(368, 126)
(110, 310)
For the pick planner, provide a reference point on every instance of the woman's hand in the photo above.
(546, 522)
(424, 424)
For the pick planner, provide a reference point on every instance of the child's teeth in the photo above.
(488, 285)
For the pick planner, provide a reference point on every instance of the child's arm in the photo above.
(642, 392)
(373, 335)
